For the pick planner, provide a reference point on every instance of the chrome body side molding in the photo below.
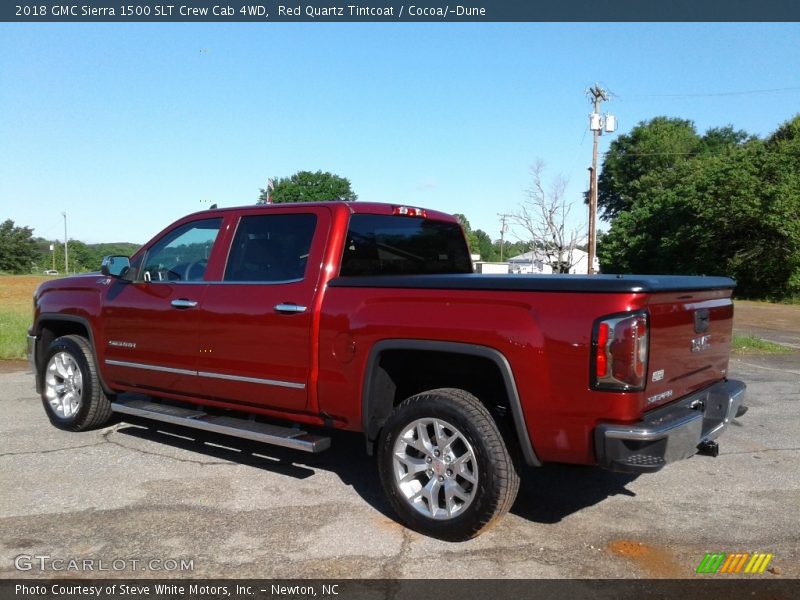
(209, 374)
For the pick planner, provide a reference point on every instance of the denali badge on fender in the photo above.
(701, 343)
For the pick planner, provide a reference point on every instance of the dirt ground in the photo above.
(779, 323)
(12, 366)
(16, 291)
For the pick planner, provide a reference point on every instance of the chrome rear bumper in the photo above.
(670, 433)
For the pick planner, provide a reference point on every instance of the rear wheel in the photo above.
(444, 465)
(72, 396)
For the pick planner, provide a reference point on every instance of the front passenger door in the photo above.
(150, 325)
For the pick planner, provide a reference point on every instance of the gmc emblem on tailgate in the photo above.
(701, 343)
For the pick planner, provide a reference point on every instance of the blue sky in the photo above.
(130, 126)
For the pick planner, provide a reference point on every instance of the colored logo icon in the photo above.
(740, 562)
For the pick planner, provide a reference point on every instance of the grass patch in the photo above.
(16, 313)
(750, 344)
(13, 331)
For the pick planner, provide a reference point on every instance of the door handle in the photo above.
(289, 309)
(183, 303)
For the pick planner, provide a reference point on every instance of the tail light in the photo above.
(619, 352)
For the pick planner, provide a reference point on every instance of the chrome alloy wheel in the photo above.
(435, 468)
(63, 385)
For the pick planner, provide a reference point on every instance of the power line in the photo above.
(41, 232)
(660, 153)
(714, 94)
(693, 153)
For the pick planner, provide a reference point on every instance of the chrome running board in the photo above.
(276, 435)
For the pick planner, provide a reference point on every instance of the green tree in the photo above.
(472, 239)
(511, 249)
(732, 208)
(485, 246)
(17, 248)
(717, 139)
(479, 241)
(653, 146)
(79, 256)
(44, 258)
(781, 190)
(82, 257)
(305, 186)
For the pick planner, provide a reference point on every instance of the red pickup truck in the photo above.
(276, 323)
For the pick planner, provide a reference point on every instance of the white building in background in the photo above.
(534, 262)
(492, 267)
(530, 262)
(481, 266)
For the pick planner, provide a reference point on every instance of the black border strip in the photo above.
(387, 11)
(762, 586)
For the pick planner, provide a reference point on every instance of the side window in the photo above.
(271, 248)
(181, 255)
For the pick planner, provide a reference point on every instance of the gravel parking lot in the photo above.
(235, 509)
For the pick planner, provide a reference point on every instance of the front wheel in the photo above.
(72, 395)
(444, 465)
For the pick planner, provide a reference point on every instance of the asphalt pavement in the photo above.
(150, 497)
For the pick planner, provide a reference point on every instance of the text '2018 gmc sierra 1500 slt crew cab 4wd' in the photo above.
(276, 323)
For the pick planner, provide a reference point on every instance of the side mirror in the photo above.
(115, 266)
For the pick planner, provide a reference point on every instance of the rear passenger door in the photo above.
(256, 336)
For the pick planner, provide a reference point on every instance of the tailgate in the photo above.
(690, 339)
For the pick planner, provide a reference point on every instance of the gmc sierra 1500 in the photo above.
(265, 321)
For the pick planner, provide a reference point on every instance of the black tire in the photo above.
(93, 407)
(496, 475)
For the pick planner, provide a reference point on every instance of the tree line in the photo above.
(21, 253)
(722, 203)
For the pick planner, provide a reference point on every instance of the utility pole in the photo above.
(66, 258)
(597, 122)
(503, 229)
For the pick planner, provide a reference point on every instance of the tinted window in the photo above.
(182, 254)
(270, 248)
(388, 245)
